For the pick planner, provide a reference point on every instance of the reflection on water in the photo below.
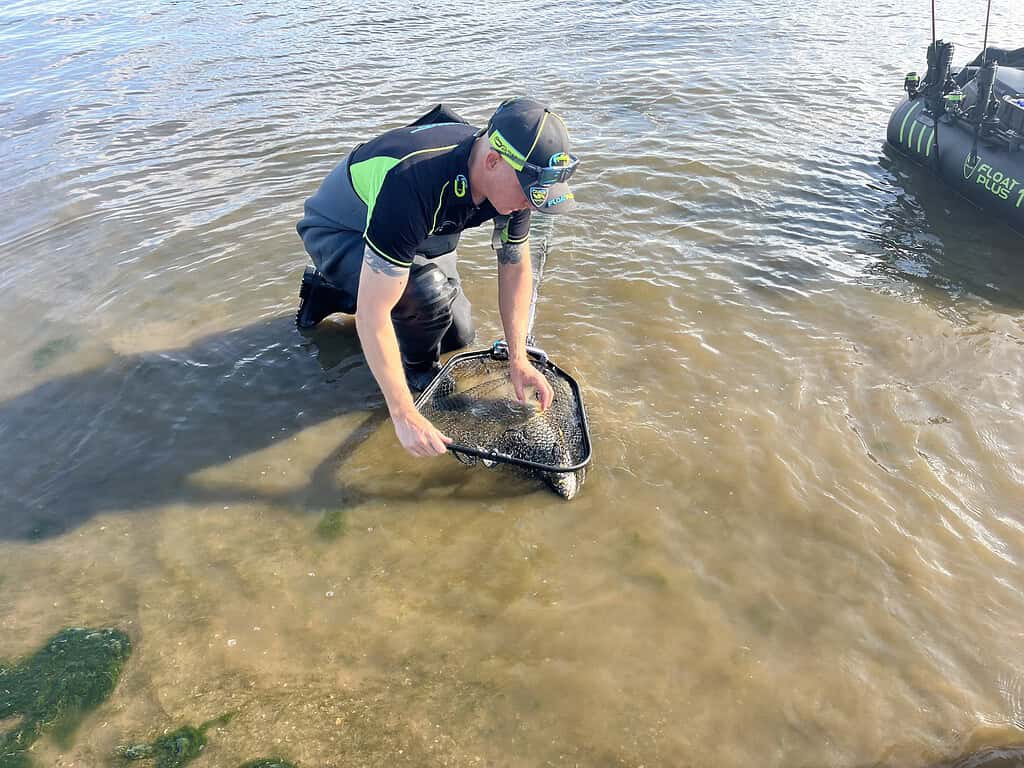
(800, 542)
(999, 757)
(921, 240)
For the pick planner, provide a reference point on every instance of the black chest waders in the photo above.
(472, 400)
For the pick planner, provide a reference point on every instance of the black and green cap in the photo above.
(535, 142)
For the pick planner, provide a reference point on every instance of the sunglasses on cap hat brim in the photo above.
(544, 175)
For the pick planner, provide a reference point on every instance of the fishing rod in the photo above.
(933, 23)
(986, 84)
(984, 44)
(935, 114)
(935, 104)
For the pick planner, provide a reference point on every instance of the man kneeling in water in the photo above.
(382, 231)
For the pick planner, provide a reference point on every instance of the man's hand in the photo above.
(418, 436)
(524, 377)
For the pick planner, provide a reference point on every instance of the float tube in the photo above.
(967, 126)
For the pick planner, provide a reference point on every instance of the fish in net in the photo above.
(472, 401)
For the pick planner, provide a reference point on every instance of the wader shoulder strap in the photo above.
(440, 114)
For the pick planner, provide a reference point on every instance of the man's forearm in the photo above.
(515, 287)
(380, 346)
(381, 283)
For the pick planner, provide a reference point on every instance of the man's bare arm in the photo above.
(382, 266)
(515, 288)
(512, 253)
(381, 285)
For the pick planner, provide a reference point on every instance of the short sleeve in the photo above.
(397, 224)
(517, 230)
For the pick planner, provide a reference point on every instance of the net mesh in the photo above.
(474, 403)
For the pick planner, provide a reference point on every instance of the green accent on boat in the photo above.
(903, 125)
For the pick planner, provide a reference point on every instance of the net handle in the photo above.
(537, 262)
(504, 458)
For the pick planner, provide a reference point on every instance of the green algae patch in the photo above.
(333, 525)
(177, 748)
(47, 354)
(14, 760)
(56, 687)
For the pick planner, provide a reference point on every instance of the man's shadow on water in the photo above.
(933, 236)
(130, 435)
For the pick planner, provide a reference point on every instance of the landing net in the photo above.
(472, 401)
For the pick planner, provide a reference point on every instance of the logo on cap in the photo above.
(504, 148)
(538, 195)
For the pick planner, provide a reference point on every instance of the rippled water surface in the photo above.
(800, 542)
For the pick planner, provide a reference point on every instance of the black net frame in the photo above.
(573, 430)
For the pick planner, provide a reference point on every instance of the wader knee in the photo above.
(462, 332)
(423, 315)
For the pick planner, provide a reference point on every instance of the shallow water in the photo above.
(800, 540)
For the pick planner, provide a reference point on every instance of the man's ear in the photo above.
(492, 159)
